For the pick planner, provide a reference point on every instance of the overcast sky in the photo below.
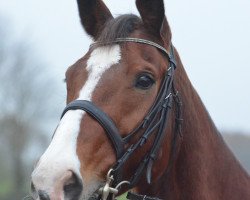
(212, 37)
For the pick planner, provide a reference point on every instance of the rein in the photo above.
(154, 123)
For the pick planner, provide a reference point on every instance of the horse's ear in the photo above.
(153, 16)
(93, 14)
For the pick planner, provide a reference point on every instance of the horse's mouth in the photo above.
(95, 196)
(28, 197)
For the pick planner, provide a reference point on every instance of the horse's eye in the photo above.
(144, 82)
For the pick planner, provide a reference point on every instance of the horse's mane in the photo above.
(119, 27)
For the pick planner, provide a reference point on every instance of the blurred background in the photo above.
(40, 39)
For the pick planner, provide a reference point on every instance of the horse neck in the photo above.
(204, 167)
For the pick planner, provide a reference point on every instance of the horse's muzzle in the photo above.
(68, 186)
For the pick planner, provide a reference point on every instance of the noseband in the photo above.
(154, 123)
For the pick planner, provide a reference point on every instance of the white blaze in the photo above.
(101, 59)
(61, 154)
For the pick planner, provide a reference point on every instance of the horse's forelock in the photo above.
(119, 27)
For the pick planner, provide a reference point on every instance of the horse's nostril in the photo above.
(32, 187)
(34, 194)
(43, 195)
(66, 184)
(73, 187)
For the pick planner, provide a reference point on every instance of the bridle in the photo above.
(155, 122)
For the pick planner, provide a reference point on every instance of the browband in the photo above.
(136, 40)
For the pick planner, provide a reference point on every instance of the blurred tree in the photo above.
(26, 111)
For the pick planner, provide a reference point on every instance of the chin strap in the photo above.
(108, 192)
(133, 196)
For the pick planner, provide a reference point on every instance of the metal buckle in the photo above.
(106, 190)
(169, 95)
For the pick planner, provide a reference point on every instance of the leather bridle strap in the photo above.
(98, 114)
(137, 40)
(142, 41)
(133, 196)
(154, 122)
(103, 119)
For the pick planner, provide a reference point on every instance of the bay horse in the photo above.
(134, 121)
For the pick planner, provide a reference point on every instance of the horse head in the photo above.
(111, 93)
